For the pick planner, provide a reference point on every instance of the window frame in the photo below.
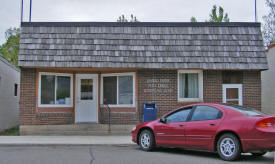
(133, 74)
(200, 82)
(236, 86)
(55, 74)
(195, 107)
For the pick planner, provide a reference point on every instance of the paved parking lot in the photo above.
(120, 154)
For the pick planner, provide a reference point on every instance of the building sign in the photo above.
(158, 86)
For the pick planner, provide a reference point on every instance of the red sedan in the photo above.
(223, 128)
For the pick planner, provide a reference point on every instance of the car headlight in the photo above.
(134, 128)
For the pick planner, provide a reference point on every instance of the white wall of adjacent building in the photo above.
(268, 83)
(9, 101)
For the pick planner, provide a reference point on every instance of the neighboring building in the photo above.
(9, 95)
(68, 69)
(268, 83)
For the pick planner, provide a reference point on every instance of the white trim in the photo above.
(117, 75)
(200, 81)
(240, 92)
(55, 74)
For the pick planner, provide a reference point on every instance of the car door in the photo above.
(201, 129)
(171, 133)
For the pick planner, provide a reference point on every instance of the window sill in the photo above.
(118, 106)
(55, 106)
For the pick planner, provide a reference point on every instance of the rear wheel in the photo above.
(229, 147)
(147, 140)
(259, 153)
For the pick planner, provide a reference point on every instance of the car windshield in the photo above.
(246, 111)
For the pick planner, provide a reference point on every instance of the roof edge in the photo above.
(9, 64)
(140, 24)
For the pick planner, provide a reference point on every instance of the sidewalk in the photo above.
(64, 140)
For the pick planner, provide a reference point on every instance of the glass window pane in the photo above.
(63, 90)
(86, 89)
(179, 116)
(110, 90)
(205, 113)
(47, 89)
(189, 85)
(126, 90)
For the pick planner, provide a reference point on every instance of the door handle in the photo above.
(212, 124)
(181, 125)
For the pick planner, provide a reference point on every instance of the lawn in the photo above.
(10, 132)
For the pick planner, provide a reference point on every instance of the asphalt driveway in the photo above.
(119, 154)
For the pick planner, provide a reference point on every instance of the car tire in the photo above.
(229, 147)
(146, 140)
(259, 153)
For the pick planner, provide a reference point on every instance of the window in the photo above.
(232, 77)
(118, 89)
(55, 89)
(86, 92)
(246, 111)
(190, 85)
(232, 94)
(15, 89)
(206, 113)
(179, 116)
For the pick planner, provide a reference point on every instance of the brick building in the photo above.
(69, 69)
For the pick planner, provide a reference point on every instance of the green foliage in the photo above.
(122, 18)
(193, 19)
(220, 17)
(11, 132)
(214, 16)
(10, 49)
(269, 24)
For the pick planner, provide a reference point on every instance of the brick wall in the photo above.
(212, 89)
(158, 86)
(27, 101)
(30, 114)
(119, 116)
(252, 89)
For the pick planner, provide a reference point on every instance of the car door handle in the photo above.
(212, 124)
(181, 125)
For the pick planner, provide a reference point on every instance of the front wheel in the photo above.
(228, 147)
(147, 140)
(259, 153)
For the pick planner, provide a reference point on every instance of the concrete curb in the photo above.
(64, 140)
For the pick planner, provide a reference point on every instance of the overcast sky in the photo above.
(110, 10)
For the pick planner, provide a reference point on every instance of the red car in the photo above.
(223, 128)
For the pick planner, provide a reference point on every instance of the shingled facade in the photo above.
(70, 71)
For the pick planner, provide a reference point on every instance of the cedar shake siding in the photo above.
(153, 55)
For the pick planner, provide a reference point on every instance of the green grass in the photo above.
(10, 132)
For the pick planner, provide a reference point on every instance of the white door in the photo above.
(232, 94)
(86, 98)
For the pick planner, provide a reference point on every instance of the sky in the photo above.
(110, 10)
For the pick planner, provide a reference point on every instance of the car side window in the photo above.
(179, 116)
(206, 113)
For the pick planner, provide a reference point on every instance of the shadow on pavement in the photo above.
(247, 157)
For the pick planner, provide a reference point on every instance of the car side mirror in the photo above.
(163, 120)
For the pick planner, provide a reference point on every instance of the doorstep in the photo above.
(76, 130)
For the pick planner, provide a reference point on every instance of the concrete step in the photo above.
(75, 129)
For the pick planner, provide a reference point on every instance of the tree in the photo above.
(122, 18)
(10, 49)
(214, 16)
(193, 19)
(269, 24)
